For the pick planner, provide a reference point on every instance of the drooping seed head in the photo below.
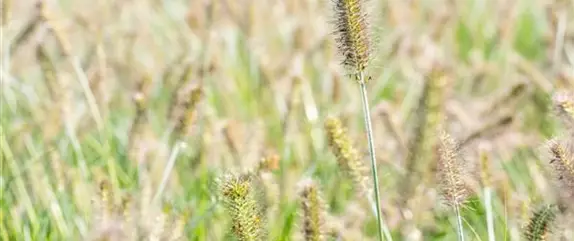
(351, 29)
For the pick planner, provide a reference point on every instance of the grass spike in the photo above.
(239, 199)
(313, 211)
(352, 34)
(539, 225)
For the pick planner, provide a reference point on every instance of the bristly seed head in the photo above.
(347, 156)
(313, 208)
(451, 171)
(540, 223)
(564, 107)
(564, 170)
(352, 34)
(240, 201)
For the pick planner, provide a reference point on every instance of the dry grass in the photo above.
(164, 98)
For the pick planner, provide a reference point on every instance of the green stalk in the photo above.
(369, 129)
(489, 213)
(460, 231)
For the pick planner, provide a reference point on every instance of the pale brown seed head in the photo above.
(451, 172)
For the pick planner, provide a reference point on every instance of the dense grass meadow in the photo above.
(242, 120)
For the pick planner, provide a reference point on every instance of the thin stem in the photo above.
(459, 223)
(368, 126)
(489, 213)
(168, 169)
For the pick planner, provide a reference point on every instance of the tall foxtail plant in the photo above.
(352, 37)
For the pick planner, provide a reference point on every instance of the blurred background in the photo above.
(117, 117)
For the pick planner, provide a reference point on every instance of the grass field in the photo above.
(235, 120)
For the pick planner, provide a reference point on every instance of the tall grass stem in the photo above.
(168, 169)
(369, 129)
(489, 213)
(460, 231)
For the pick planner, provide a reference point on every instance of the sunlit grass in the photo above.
(269, 76)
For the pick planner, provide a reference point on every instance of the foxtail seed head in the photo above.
(347, 156)
(539, 224)
(352, 34)
(313, 211)
(241, 204)
(451, 171)
(564, 170)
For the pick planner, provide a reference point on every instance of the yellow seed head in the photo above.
(313, 212)
(352, 34)
(347, 156)
(240, 201)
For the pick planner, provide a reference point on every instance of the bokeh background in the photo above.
(145, 104)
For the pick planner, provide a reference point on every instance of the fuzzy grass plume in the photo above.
(539, 225)
(450, 172)
(240, 200)
(313, 208)
(563, 167)
(352, 34)
(347, 156)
